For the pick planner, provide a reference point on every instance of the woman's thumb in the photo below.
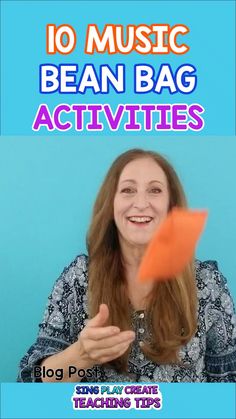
(101, 317)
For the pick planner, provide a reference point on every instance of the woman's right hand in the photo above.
(99, 344)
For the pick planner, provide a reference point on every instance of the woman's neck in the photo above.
(137, 291)
(132, 255)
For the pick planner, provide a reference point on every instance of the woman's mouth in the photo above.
(140, 220)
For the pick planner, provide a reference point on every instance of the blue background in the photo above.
(47, 188)
(48, 183)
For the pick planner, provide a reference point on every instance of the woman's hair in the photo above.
(171, 306)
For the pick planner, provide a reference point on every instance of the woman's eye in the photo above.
(127, 190)
(155, 190)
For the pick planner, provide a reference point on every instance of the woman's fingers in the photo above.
(98, 355)
(121, 337)
(98, 333)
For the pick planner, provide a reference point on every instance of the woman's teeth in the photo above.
(140, 219)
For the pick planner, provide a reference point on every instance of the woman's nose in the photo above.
(140, 201)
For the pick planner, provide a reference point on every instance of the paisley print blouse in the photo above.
(210, 356)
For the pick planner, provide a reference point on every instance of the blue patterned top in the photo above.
(210, 356)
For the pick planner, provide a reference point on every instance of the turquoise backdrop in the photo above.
(47, 188)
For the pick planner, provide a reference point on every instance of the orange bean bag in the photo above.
(172, 245)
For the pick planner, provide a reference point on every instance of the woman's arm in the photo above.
(97, 344)
(220, 359)
(67, 365)
(62, 320)
(64, 344)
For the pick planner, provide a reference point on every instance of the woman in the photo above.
(175, 331)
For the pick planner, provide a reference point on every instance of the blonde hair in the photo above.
(172, 305)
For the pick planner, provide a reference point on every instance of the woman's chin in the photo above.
(139, 242)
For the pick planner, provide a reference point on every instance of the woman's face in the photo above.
(141, 201)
